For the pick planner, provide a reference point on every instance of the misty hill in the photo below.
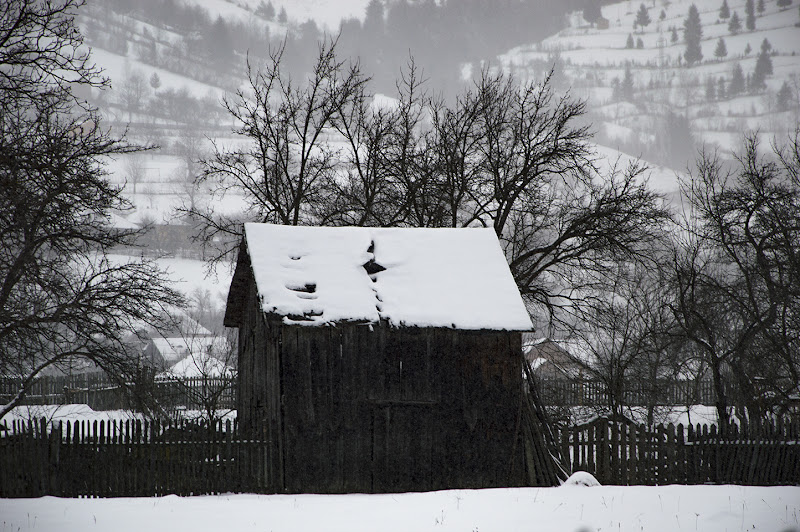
(643, 96)
(171, 62)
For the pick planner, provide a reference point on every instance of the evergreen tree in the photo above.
(760, 7)
(155, 81)
(747, 49)
(721, 88)
(762, 70)
(266, 10)
(724, 10)
(750, 15)
(736, 85)
(642, 17)
(735, 24)
(784, 97)
(282, 16)
(711, 89)
(674, 37)
(663, 15)
(374, 25)
(692, 35)
(639, 43)
(626, 87)
(721, 50)
(629, 42)
(591, 12)
(766, 46)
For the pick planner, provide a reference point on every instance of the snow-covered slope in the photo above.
(593, 58)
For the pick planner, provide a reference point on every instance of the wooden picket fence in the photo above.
(585, 392)
(129, 458)
(627, 454)
(141, 458)
(101, 392)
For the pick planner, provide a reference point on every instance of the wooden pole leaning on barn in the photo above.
(544, 463)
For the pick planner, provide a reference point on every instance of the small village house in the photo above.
(379, 360)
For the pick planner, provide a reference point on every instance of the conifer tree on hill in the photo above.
(591, 12)
(760, 7)
(737, 84)
(762, 70)
(750, 15)
(721, 50)
(642, 17)
(784, 97)
(724, 10)
(735, 24)
(692, 35)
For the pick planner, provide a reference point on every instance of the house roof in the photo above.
(174, 349)
(422, 277)
(200, 364)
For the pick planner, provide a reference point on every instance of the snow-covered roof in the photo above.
(454, 278)
(171, 349)
(176, 348)
(198, 365)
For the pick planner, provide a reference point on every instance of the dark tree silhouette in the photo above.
(642, 17)
(750, 15)
(784, 97)
(692, 35)
(63, 299)
(734, 25)
(737, 84)
(738, 276)
(721, 50)
(724, 10)
(592, 12)
(762, 69)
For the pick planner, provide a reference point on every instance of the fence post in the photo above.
(681, 473)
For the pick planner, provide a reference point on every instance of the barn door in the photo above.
(402, 447)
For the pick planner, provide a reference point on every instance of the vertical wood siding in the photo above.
(359, 408)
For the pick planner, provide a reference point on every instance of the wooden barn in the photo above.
(380, 360)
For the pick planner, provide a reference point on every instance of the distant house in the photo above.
(379, 360)
(550, 359)
(186, 337)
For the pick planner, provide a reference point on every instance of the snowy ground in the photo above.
(563, 509)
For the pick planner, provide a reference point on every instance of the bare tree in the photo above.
(288, 158)
(133, 92)
(62, 296)
(134, 170)
(206, 379)
(627, 339)
(42, 51)
(738, 274)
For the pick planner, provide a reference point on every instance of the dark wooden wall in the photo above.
(359, 408)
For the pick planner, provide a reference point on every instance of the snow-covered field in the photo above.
(563, 509)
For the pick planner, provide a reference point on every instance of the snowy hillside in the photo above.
(643, 101)
(325, 13)
(631, 114)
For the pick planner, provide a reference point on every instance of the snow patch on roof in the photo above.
(409, 277)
